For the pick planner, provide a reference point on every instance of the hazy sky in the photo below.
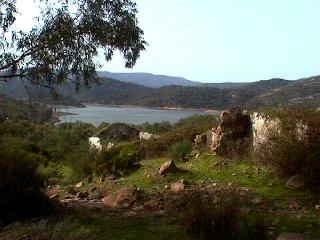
(225, 40)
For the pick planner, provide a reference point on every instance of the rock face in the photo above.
(123, 198)
(204, 140)
(233, 136)
(167, 167)
(296, 182)
(292, 236)
(262, 126)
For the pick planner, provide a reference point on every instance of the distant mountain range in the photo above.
(266, 93)
(156, 81)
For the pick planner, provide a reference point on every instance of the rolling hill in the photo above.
(266, 93)
(147, 79)
(157, 81)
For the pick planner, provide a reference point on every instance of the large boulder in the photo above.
(292, 236)
(296, 182)
(233, 136)
(168, 167)
(123, 198)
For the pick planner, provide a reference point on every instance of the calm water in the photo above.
(98, 114)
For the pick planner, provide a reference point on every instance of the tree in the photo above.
(67, 39)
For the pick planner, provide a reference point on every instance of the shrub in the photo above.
(216, 216)
(121, 158)
(156, 128)
(81, 161)
(295, 148)
(181, 151)
(184, 131)
(20, 188)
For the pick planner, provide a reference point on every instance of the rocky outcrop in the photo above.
(233, 136)
(204, 140)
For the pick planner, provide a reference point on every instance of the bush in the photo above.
(295, 148)
(121, 158)
(216, 216)
(20, 188)
(184, 131)
(81, 161)
(181, 151)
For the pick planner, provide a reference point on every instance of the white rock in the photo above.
(95, 143)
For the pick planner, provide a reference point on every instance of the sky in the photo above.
(223, 40)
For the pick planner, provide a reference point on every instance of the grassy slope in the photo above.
(208, 169)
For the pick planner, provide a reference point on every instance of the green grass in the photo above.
(208, 169)
(93, 225)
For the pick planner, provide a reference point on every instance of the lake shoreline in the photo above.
(156, 108)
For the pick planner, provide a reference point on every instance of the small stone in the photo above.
(111, 177)
(54, 196)
(177, 186)
(167, 167)
(275, 223)
(294, 205)
(79, 185)
(82, 195)
(317, 207)
(296, 182)
(123, 198)
(245, 211)
(257, 201)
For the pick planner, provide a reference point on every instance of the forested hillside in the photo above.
(267, 93)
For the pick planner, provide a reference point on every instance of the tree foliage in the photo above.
(68, 37)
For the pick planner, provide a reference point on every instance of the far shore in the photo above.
(158, 108)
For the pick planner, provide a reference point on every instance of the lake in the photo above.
(132, 115)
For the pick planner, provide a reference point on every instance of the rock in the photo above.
(79, 185)
(167, 167)
(123, 198)
(317, 207)
(245, 211)
(82, 195)
(296, 182)
(178, 186)
(53, 181)
(111, 177)
(54, 196)
(292, 236)
(233, 136)
(257, 201)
